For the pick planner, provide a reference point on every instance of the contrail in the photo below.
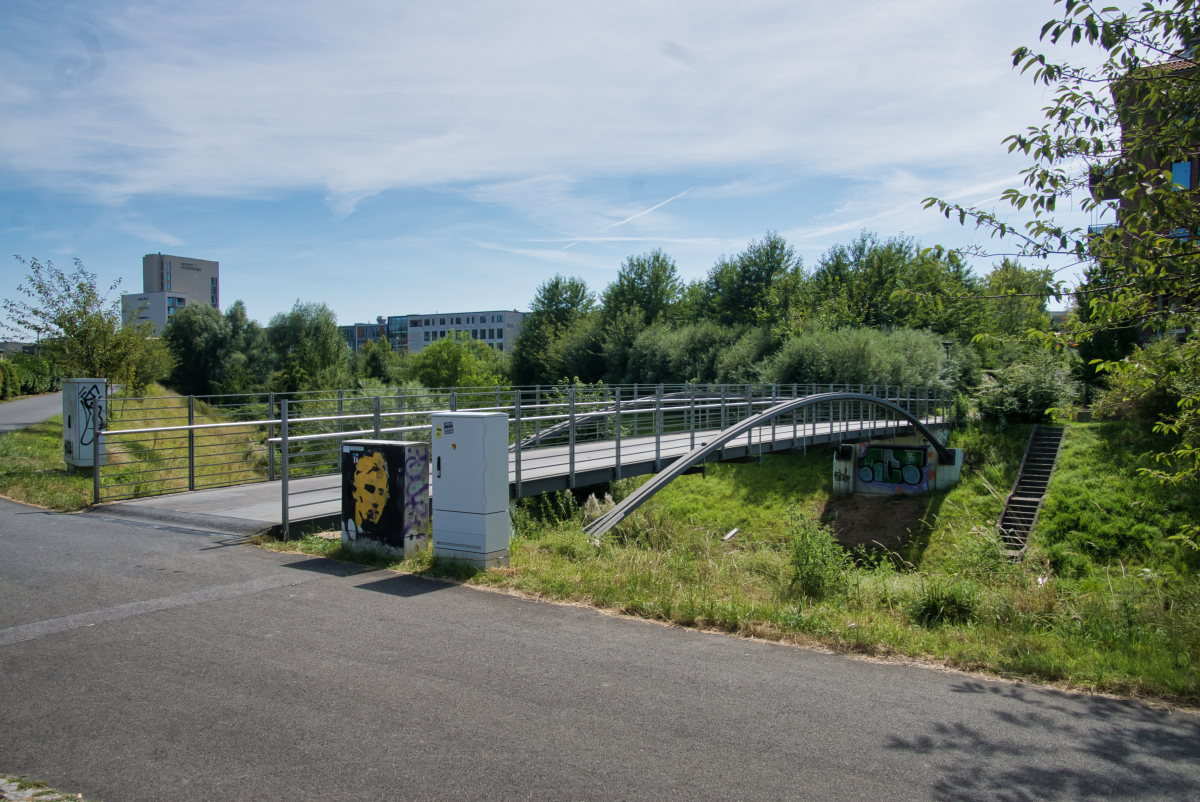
(647, 211)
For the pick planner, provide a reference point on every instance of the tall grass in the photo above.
(152, 464)
(1127, 625)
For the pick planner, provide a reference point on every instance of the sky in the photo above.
(387, 158)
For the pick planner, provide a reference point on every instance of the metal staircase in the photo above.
(1025, 501)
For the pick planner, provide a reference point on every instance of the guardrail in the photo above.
(203, 442)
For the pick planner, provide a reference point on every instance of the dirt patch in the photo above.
(888, 521)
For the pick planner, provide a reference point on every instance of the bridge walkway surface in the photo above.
(316, 500)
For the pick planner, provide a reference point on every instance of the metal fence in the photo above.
(164, 445)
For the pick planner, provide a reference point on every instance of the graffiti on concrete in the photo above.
(895, 469)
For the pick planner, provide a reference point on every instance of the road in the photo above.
(28, 411)
(144, 663)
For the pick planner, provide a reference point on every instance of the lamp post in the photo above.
(946, 374)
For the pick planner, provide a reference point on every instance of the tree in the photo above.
(310, 348)
(557, 302)
(1123, 131)
(378, 360)
(650, 282)
(853, 285)
(455, 363)
(739, 289)
(78, 328)
(560, 299)
(199, 337)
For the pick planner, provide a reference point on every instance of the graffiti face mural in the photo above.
(385, 495)
(370, 488)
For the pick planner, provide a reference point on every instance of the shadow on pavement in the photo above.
(1101, 749)
(405, 585)
(320, 565)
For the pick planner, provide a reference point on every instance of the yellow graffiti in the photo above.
(370, 488)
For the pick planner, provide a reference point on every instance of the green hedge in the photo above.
(24, 374)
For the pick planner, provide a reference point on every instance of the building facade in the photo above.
(170, 283)
(152, 307)
(497, 328)
(359, 334)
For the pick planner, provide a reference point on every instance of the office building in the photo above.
(498, 328)
(358, 334)
(170, 283)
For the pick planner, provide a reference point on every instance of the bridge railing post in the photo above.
(283, 454)
(270, 435)
(692, 414)
(517, 426)
(658, 419)
(617, 427)
(191, 444)
(571, 435)
(376, 413)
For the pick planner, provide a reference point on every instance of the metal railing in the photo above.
(171, 444)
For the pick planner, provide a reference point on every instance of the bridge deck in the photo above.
(316, 500)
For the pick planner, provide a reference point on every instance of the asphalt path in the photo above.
(28, 411)
(148, 663)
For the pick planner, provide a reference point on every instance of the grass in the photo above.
(1121, 618)
(39, 789)
(32, 469)
(153, 464)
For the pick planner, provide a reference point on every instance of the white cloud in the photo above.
(246, 99)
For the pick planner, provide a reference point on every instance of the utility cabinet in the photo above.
(385, 495)
(85, 406)
(470, 487)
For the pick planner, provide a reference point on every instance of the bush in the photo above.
(858, 356)
(819, 564)
(34, 375)
(1150, 383)
(1026, 392)
(944, 602)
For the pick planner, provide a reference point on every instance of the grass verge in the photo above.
(32, 469)
(1123, 619)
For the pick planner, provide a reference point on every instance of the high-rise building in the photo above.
(168, 284)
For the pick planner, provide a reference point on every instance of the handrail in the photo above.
(643, 494)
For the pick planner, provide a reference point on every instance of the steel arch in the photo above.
(680, 466)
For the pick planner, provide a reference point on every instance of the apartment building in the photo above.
(497, 328)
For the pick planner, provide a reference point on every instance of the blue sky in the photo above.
(394, 157)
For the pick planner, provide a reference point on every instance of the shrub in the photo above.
(944, 602)
(1026, 392)
(858, 356)
(1150, 383)
(819, 564)
(960, 412)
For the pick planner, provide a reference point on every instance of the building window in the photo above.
(499, 334)
(214, 281)
(457, 321)
(426, 336)
(499, 346)
(442, 321)
(500, 319)
(1181, 174)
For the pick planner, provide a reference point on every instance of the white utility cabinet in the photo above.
(84, 413)
(470, 487)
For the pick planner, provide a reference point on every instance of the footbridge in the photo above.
(275, 458)
(716, 442)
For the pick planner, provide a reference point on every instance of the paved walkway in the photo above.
(142, 663)
(28, 411)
